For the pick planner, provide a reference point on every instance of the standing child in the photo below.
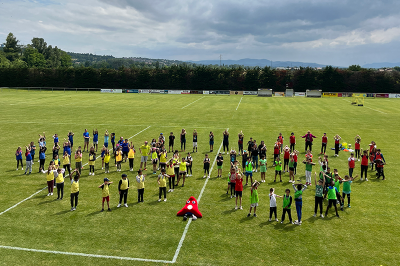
(74, 189)
(332, 191)
(211, 142)
(189, 160)
(71, 138)
(29, 159)
(131, 156)
(364, 164)
(254, 198)
(220, 161)
(263, 168)
(113, 141)
(319, 194)
(105, 193)
(206, 163)
(244, 159)
(50, 179)
(291, 168)
(249, 170)
(171, 142)
(287, 203)
(60, 183)
(195, 140)
(337, 141)
(118, 158)
(154, 160)
(295, 157)
(163, 158)
(106, 137)
(298, 199)
(239, 190)
(276, 150)
(18, 156)
(78, 161)
(324, 143)
(280, 141)
(182, 172)
(240, 142)
(67, 162)
(232, 181)
(292, 142)
(95, 139)
(309, 164)
(272, 204)
(107, 158)
(162, 183)
(347, 189)
(123, 187)
(286, 157)
(380, 162)
(92, 160)
(140, 185)
(278, 168)
(357, 140)
(352, 164)
(338, 182)
(171, 175)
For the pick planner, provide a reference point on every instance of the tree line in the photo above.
(41, 65)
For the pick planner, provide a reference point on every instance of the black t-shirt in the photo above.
(261, 151)
(219, 158)
(171, 138)
(254, 151)
(249, 145)
(194, 138)
(211, 137)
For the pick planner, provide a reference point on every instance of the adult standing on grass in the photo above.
(337, 141)
(86, 139)
(211, 136)
(225, 141)
(144, 150)
(183, 140)
(309, 140)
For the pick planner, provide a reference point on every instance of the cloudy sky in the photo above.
(328, 32)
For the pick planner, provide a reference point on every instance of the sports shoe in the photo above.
(366, 179)
(208, 176)
(164, 200)
(236, 207)
(102, 210)
(204, 176)
(185, 217)
(93, 173)
(90, 173)
(145, 169)
(17, 169)
(22, 168)
(338, 216)
(314, 215)
(102, 168)
(159, 200)
(361, 179)
(48, 194)
(72, 209)
(119, 205)
(255, 215)
(248, 215)
(277, 220)
(281, 222)
(51, 193)
(231, 196)
(348, 206)
(269, 220)
(322, 216)
(241, 207)
(169, 190)
(109, 209)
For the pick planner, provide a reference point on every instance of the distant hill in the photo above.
(257, 62)
(380, 65)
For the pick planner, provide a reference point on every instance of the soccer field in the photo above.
(42, 230)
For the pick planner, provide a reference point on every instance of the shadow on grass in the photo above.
(47, 201)
(62, 212)
(229, 211)
(246, 219)
(155, 202)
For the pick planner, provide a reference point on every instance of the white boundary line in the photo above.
(12, 207)
(193, 102)
(239, 103)
(178, 249)
(84, 254)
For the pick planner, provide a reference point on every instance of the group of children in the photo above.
(178, 168)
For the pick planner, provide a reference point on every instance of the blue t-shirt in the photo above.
(56, 140)
(86, 134)
(19, 156)
(29, 157)
(42, 155)
(68, 150)
(112, 139)
(95, 137)
(106, 139)
(125, 147)
(32, 150)
(71, 138)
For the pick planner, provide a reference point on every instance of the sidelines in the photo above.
(239, 103)
(178, 249)
(12, 207)
(83, 254)
(193, 102)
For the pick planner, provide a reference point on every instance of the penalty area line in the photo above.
(193, 102)
(178, 249)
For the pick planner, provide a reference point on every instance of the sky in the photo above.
(340, 33)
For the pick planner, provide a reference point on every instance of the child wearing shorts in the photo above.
(263, 168)
(220, 161)
(105, 193)
(254, 198)
(239, 190)
(278, 169)
(249, 170)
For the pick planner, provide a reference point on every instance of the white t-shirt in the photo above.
(272, 200)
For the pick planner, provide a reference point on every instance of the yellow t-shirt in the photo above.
(163, 157)
(119, 156)
(60, 178)
(145, 150)
(154, 155)
(124, 184)
(78, 158)
(50, 175)
(163, 181)
(107, 158)
(56, 161)
(170, 170)
(140, 184)
(106, 191)
(91, 159)
(131, 154)
(74, 186)
(182, 167)
(66, 160)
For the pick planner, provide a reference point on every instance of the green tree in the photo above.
(39, 44)
(355, 68)
(4, 62)
(18, 63)
(33, 58)
(12, 49)
(65, 59)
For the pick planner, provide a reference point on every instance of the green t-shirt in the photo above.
(291, 164)
(347, 186)
(262, 162)
(278, 166)
(319, 191)
(254, 196)
(298, 194)
(249, 166)
(309, 167)
(337, 185)
(286, 201)
(331, 193)
(328, 179)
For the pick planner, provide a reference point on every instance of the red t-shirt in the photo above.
(239, 184)
(364, 160)
(295, 158)
(292, 139)
(336, 141)
(276, 150)
(357, 145)
(280, 138)
(370, 148)
(352, 162)
(287, 155)
(325, 140)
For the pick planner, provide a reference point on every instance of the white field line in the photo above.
(239, 103)
(84, 254)
(193, 102)
(178, 249)
(369, 108)
(12, 207)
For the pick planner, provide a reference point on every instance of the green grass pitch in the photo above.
(366, 234)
